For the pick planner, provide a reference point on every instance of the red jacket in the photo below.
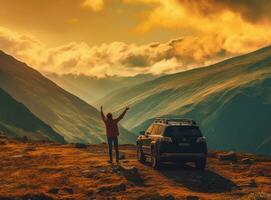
(112, 125)
(112, 129)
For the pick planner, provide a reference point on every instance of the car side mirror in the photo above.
(142, 132)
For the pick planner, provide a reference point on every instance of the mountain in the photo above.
(17, 121)
(230, 100)
(68, 115)
(91, 89)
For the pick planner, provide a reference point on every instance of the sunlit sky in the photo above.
(128, 37)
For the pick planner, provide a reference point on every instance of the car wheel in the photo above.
(154, 159)
(140, 155)
(201, 164)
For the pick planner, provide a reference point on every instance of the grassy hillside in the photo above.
(73, 118)
(17, 121)
(230, 100)
(91, 89)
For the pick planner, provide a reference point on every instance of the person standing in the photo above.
(112, 132)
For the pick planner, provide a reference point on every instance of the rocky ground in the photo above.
(45, 171)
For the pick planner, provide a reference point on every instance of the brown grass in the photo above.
(53, 171)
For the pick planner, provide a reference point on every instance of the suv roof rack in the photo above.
(179, 121)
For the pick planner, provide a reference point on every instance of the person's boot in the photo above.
(110, 159)
(110, 156)
(117, 157)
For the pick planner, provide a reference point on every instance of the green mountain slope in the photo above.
(73, 118)
(231, 101)
(17, 121)
(91, 89)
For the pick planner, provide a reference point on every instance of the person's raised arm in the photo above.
(122, 114)
(102, 114)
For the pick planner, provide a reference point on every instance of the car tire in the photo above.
(140, 155)
(201, 164)
(154, 159)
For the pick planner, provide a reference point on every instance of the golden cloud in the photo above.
(95, 5)
(21, 46)
(254, 11)
(203, 15)
(237, 26)
(119, 58)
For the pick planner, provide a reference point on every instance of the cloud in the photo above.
(21, 46)
(250, 10)
(95, 5)
(233, 26)
(219, 29)
(206, 16)
(198, 14)
(122, 59)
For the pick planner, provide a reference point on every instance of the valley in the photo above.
(68, 115)
(230, 101)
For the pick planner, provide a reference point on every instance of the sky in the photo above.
(128, 37)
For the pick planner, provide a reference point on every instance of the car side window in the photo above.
(160, 130)
(149, 130)
(154, 130)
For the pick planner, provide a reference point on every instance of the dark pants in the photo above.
(113, 140)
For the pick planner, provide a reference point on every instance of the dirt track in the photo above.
(52, 171)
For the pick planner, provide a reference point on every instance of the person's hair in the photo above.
(109, 116)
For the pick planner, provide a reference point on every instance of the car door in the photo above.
(156, 134)
(151, 138)
(145, 140)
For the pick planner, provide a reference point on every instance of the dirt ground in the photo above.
(41, 171)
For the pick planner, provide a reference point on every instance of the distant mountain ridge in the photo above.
(230, 100)
(71, 117)
(17, 121)
(91, 89)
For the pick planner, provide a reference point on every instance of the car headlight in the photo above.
(201, 139)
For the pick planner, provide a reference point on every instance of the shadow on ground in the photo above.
(196, 180)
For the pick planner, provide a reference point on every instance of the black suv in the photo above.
(178, 140)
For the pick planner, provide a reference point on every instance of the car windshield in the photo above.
(180, 131)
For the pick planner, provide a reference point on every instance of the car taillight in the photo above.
(166, 139)
(201, 139)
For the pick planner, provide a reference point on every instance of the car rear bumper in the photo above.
(182, 156)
